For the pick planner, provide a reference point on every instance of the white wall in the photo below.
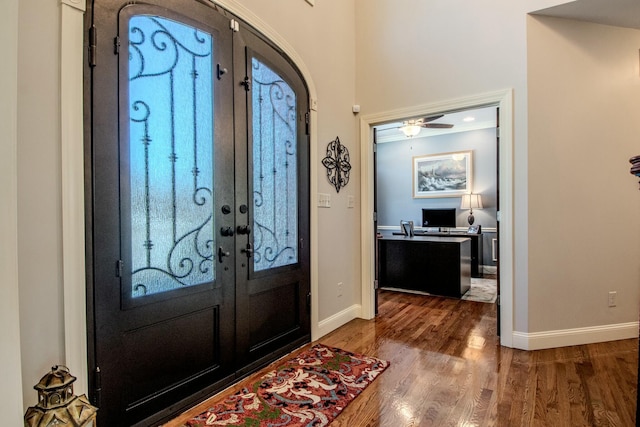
(535, 5)
(584, 125)
(412, 52)
(39, 193)
(10, 396)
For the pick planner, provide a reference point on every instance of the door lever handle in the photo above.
(222, 253)
(248, 250)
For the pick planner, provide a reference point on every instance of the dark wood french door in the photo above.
(272, 277)
(198, 205)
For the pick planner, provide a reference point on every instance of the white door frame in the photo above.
(502, 99)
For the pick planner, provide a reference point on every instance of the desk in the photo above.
(477, 251)
(436, 265)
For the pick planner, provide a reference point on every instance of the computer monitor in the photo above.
(440, 218)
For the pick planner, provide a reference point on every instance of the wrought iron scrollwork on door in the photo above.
(275, 170)
(337, 164)
(170, 155)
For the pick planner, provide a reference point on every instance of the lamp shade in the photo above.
(471, 201)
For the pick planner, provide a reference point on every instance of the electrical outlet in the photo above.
(351, 202)
(612, 298)
(339, 289)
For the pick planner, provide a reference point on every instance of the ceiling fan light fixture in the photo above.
(410, 130)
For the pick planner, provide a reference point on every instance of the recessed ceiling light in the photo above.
(469, 119)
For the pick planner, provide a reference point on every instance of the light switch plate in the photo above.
(351, 202)
(324, 200)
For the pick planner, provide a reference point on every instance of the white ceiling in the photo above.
(619, 13)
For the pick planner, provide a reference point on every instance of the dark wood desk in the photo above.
(477, 251)
(436, 265)
(477, 258)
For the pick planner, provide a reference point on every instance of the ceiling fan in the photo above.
(412, 127)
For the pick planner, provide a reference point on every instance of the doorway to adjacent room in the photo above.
(501, 100)
(428, 170)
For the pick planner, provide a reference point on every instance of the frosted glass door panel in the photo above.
(275, 172)
(171, 125)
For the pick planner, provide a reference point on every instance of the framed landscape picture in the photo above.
(443, 175)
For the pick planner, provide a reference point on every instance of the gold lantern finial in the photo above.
(57, 405)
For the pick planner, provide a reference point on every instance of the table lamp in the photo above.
(471, 201)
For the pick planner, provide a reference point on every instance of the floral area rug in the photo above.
(310, 389)
(482, 290)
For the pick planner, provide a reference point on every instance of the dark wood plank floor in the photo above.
(448, 369)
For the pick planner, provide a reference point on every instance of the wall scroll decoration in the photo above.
(337, 164)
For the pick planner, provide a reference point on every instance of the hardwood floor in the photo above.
(448, 369)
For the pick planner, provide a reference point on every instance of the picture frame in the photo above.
(474, 229)
(407, 228)
(443, 175)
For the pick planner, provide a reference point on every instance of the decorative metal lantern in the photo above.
(57, 405)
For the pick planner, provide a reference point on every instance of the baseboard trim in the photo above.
(577, 336)
(332, 323)
(489, 269)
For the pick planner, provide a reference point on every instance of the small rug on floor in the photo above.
(482, 290)
(310, 389)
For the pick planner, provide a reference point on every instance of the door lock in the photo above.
(222, 253)
(244, 229)
(226, 231)
(248, 250)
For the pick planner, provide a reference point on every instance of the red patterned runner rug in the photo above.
(310, 389)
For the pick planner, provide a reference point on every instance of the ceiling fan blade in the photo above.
(432, 118)
(437, 125)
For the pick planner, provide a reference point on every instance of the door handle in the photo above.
(248, 250)
(222, 253)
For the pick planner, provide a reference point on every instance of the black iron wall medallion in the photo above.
(337, 164)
